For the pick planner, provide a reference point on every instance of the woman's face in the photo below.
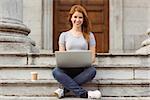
(77, 19)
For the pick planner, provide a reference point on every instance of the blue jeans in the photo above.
(72, 81)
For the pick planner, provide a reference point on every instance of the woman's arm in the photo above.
(61, 47)
(61, 42)
(92, 48)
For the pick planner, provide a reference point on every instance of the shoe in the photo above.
(94, 94)
(59, 93)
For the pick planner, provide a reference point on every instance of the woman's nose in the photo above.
(78, 19)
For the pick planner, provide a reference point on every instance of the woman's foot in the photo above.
(59, 93)
(94, 94)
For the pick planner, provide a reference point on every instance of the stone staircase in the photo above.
(119, 77)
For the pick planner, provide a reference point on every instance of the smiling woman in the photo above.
(78, 37)
(78, 18)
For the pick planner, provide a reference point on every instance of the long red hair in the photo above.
(86, 26)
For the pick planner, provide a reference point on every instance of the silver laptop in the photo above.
(73, 59)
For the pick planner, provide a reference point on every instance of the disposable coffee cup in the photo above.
(34, 76)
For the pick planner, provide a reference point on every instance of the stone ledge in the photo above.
(53, 54)
(36, 98)
(120, 54)
(68, 98)
(45, 72)
(102, 60)
(118, 88)
(125, 98)
(27, 82)
(106, 66)
(124, 82)
(27, 66)
(95, 81)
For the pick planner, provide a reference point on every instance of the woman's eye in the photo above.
(80, 17)
(75, 16)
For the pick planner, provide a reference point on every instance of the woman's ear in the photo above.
(71, 19)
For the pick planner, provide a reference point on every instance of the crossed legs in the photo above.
(74, 84)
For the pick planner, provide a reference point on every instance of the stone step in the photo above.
(109, 88)
(118, 76)
(103, 60)
(45, 72)
(20, 72)
(69, 98)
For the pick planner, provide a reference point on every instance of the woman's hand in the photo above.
(93, 53)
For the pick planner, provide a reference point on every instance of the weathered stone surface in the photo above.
(144, 50)
(13, 59)
(109, 88)
(122, 60)
(16, 47)
(109, 66)
(69, 98)
(13, 33)
(41, 59)
(37, 98)
(117, 75)
(25, 73)
(113, 73)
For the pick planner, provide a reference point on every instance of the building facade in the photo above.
(122, 74)
(128, 21)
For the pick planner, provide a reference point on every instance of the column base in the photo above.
(9, 47)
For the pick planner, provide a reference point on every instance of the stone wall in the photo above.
(32, 17)
(135, 23)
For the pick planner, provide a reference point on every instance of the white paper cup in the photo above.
(34, 76)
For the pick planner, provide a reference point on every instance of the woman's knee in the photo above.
(90, 73)
(56, 73)
(93, 72)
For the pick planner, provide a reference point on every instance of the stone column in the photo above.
(13, 33)
(47, 36)
(116, 26)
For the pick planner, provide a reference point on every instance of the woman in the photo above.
(78, 37)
